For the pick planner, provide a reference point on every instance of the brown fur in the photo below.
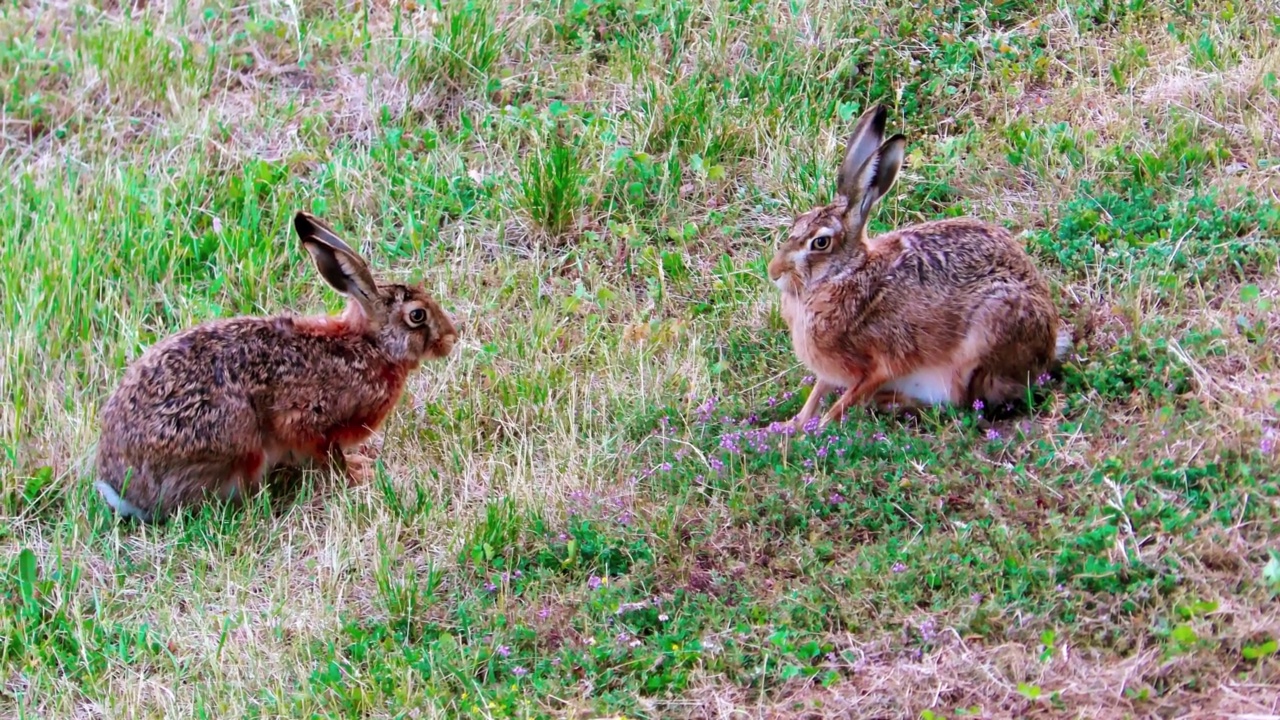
(958, 296)
(206, 413)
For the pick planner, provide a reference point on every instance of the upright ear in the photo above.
(339, 265)
(867, 135)
(873, 180)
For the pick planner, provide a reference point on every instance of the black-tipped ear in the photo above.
(867, 135)
(338, 264)
(874, 179)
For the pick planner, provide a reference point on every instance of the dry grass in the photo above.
(151, 152)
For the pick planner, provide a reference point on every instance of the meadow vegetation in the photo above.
(588, 509)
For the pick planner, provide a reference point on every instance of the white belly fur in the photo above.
(930, 385)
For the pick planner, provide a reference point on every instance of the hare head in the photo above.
(833, 237)
(408, 323)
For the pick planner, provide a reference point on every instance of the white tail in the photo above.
(1063, 344)
(119, 504)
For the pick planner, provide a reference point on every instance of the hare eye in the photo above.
(417, 316)
(820, 243)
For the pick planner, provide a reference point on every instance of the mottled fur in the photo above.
(206, 413)
(950, 311)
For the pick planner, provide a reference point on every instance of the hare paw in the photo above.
(359, 469)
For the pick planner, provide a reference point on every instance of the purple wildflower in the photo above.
(1043, 379)
(928, 630)
(1268, 444)
(594, 582)
(665, 467)
(978, 405)
(807, 380)
(976, 598)
(898, 567)
(544, 613)
(706, 410)
(811, 424)
(623, 638)
(504, 651)
(490, 587)
(788, 395)
(993, 434)
(836, 498)
(730, 442)
(716, 464)
(519, 671)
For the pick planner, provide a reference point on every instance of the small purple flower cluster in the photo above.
(730, 442)
(1042, 379)
(706, 410)
(504, 578)
(993, 434)
(785, 429)
(898, 567)
(1268, 444)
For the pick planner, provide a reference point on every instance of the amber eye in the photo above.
(820, 243)
(417, 316)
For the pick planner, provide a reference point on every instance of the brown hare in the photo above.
(207, 412)
(950, 311)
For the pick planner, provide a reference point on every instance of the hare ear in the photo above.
(339, 265)
(874, 179)
(867, 135)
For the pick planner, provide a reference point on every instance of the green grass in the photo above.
(585, 511)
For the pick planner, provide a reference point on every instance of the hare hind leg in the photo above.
(1021, 336)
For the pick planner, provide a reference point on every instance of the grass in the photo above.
(586, 511)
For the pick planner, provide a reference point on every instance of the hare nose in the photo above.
(776, 268)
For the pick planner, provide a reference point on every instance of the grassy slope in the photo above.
(579, 513)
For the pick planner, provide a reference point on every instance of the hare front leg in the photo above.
(359, 469)
(356, 468)
(865, 387)
(821, 388)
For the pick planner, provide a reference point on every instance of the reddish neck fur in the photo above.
(352, 321)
